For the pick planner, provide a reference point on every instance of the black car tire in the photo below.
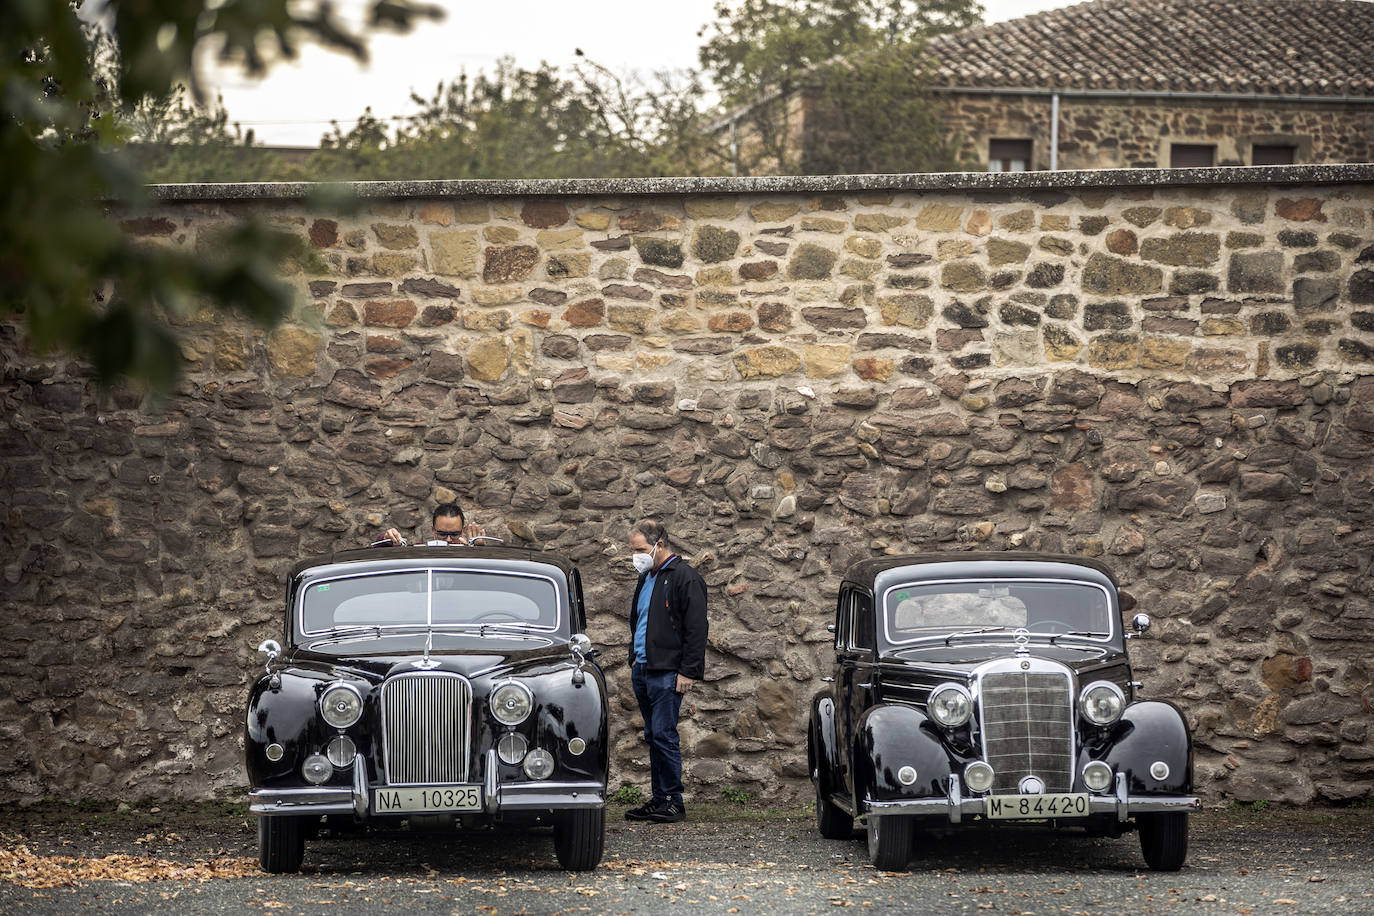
(889, 842)
(833, 823)
(579, 838)
(1163, 839)
(281, 844)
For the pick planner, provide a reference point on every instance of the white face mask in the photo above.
(643, 561)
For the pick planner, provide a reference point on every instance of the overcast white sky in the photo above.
(295, 103)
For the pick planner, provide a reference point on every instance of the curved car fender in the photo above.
(823, 746)
(567, 710)
(890, 737)
(1149, 731)
(282, 716)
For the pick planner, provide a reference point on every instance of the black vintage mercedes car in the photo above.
(993, 689)
(443, 688)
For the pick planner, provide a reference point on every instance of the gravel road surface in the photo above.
(727, 859)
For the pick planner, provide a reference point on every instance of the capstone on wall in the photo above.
(1173, 372)
(1102, 132)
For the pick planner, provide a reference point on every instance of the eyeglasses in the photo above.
(447, 535)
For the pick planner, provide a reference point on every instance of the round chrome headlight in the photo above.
(1097, 776)
(511, 748)
(511, 703)
(539, 764)
(317, 769)
(341, 704)
(1102, 702)
(341, 751)
(950, 705)
(978, 776)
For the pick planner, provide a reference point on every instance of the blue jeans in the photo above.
(659, 703)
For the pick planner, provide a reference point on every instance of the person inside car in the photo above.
(450, 527)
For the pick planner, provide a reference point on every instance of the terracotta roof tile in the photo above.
(1269, 47)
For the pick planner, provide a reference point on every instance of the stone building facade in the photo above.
(1173, 371)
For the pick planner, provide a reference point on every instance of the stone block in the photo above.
(1110, 276)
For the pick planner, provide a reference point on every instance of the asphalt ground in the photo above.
(724, 859)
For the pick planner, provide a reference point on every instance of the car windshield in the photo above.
(922, 610)
(429, 597)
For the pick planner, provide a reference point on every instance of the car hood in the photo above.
(468, 655)
(963, 657)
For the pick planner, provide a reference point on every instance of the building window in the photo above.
(1192, 156)
(1273, 154)
(1009, 155)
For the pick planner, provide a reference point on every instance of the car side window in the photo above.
(842, 619)
(863, 629)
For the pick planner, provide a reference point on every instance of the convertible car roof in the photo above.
(864, 571)
(373, 554)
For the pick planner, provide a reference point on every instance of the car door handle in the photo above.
(865, 686)
(827, 680)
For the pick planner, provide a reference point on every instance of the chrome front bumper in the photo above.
(956, 805)
(496, 797)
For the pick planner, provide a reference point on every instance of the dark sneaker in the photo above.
(669, 812)
(642, 812)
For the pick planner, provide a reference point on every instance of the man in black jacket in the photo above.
(668, 655)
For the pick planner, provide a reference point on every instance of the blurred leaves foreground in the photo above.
(80, 284)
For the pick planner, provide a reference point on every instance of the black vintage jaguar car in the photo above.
(442, 688)
(993, 689)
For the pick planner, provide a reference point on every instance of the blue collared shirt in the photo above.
(642, 622)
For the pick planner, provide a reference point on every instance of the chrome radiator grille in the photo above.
(1028, 728)
(426, 721)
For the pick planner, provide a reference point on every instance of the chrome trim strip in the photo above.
(539, 795)
(362, 796)
(308, 800)
(490, 781)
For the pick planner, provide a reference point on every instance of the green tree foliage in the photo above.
(80, 283)
(856, 69)
(519, 123)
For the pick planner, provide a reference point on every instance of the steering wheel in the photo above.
(1042, 625)
(495, 617)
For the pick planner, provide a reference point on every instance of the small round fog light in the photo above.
(341, 751)
(539, 764)
(1097, 776)
(317, 769)
(576, 746)
(1159, 770)
(906, 775)
(978, 776)
(511, 748)
(274, 752)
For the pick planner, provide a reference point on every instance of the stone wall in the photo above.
(1098, 132)
(1171, 371)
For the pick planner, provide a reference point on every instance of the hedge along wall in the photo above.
(1172, 371)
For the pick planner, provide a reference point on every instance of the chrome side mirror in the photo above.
(1141, 622)
(273, 650)
(581, 646)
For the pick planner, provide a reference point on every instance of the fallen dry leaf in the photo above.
(18, 865)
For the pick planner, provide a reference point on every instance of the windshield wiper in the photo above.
(972, 633)
(1073, 633)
